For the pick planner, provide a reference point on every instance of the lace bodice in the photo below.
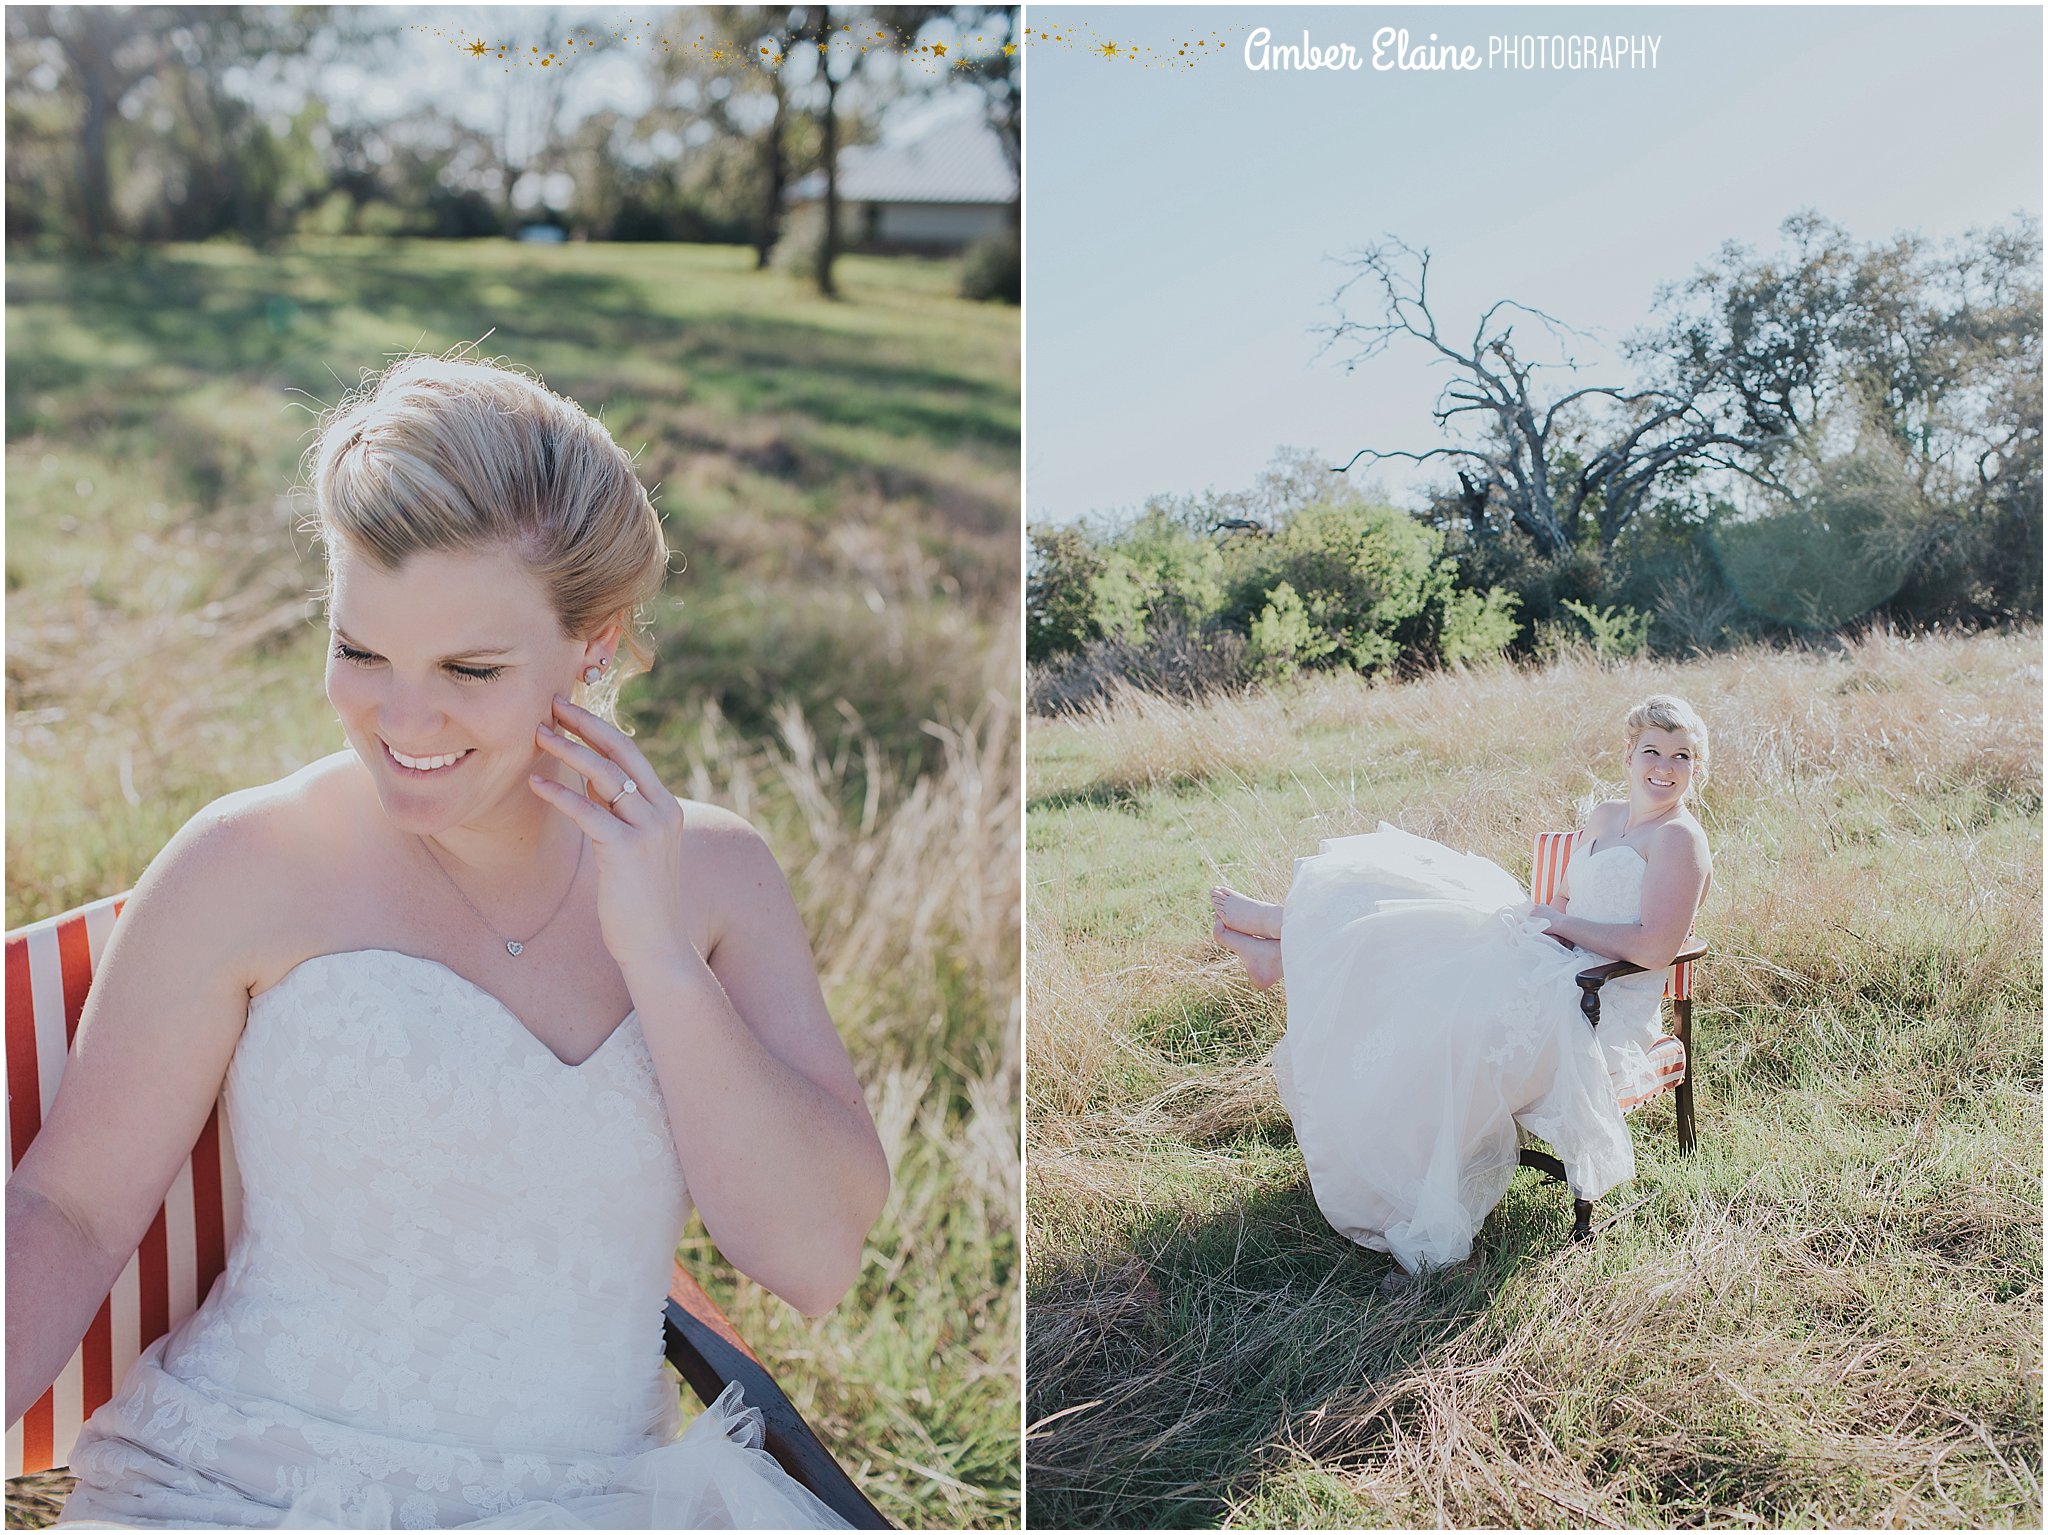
(408, 1149)
(1607, 886)
(446, 1296)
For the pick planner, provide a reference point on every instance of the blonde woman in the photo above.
(1431, 1009)
(492, 1010)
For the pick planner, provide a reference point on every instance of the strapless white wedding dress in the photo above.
(1431, 1020)
(444, 1308)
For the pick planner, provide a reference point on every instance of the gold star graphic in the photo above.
(1107, 50)
(938, 50)
(1008, 49)
(478, 49)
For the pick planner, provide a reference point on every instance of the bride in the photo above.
(1432, 1010)
(492, 1009)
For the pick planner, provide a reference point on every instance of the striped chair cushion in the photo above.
(1553, 852)
(1668, 1057)
(49, 966)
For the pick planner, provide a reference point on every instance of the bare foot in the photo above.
(1261, 919)
(1261, 956)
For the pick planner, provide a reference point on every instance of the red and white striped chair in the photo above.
(49, 968)
(1673, 1054)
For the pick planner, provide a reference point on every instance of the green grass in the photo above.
(841, 480)
(1830, 1315)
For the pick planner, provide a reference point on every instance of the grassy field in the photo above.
(1830, 1315)
(837, 661)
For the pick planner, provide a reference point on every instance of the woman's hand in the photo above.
(1552, 915)
(636, 835)
(768, 1118)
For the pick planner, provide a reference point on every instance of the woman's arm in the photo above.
(1673, 882)
(776, 1141)
(166, 1007)
(781, 1152)
(57, 1275)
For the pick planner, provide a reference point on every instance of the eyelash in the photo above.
(356, 657)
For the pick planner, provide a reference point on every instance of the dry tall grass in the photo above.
(912, 907)
(1830, 1315)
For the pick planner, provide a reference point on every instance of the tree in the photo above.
(838, 57)
(995, 74)
(1923, 360)
(1550, 461)
(105, 53)
(149, 82)
(530, 102)
(733, 104)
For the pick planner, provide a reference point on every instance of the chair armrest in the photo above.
(709, 1354)
(1598, 975)
(1593, 978)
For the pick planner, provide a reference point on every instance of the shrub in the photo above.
(1358, 572)
(1503, 555)
(1614, 633)
(1847, 543)
(1179, 570)
(1060, 593)
(1476, 627)
(1587, 634)
(1283, 640)
(993, 270)
(1173, 661)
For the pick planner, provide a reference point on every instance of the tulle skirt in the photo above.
(1432, 1026)
(715, 1476)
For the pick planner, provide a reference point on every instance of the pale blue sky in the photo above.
(1180, 223)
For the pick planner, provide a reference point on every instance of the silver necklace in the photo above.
(513, 946)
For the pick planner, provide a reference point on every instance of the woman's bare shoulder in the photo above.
(1680, 837)
(248, 828)
(1607, 817)
(730, 865)
(723, 836)
(241, 863)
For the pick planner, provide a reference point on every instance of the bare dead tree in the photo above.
(1550, 460)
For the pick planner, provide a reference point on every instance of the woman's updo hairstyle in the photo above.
(1664, 711)
(457, 455)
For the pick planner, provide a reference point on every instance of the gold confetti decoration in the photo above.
(772, 54)
(1074, 36)
(1179, 53)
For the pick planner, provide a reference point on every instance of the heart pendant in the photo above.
(513, 948)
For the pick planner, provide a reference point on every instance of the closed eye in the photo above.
(358, 657)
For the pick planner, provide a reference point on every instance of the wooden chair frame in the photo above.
(1553, 851)
(49, 970)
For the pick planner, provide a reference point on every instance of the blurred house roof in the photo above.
(957, 159)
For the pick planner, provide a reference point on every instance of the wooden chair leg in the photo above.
(1552, 1168)
(1681, 1010)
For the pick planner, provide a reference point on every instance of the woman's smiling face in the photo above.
(1660, 766)
(440, 671)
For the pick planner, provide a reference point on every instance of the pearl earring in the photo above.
(594, 674)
